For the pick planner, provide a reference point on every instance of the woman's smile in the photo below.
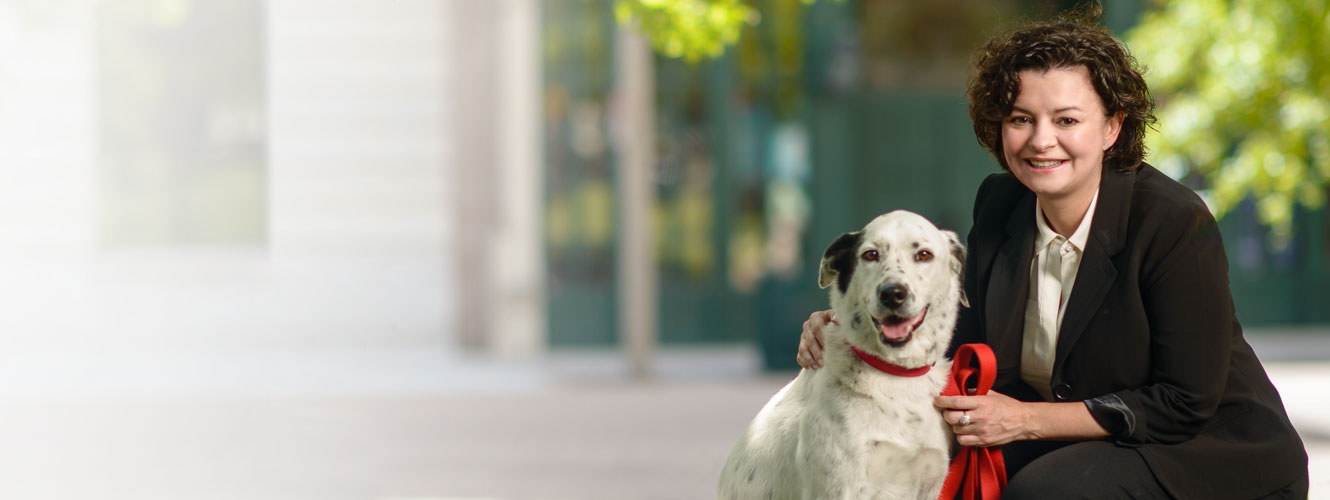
(1043, 164)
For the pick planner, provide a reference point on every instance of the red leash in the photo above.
(977, 471)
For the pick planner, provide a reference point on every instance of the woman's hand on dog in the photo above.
(810, 341)
(995, 418)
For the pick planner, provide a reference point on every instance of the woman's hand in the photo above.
(994, 418)
(810, 341)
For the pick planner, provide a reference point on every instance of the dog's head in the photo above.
(897, 287)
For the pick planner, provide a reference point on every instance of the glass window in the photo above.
(183, 146)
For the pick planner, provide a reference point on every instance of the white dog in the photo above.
(852, 430)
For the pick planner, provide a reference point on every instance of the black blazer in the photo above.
(1149, 339)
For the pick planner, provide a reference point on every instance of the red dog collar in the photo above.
(897, 370)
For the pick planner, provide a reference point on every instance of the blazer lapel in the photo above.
(1097, 273)
(1009, 286)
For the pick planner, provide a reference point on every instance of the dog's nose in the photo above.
(893, 295)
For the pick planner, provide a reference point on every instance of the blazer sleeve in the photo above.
(1186, 297)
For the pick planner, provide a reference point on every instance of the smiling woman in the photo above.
(1101, 285)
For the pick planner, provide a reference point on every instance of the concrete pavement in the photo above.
(419, 425)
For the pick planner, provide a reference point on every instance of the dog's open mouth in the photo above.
(898, 330)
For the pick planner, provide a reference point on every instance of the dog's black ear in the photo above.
(838, 261)
(958, 262)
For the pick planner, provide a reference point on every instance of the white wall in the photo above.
(358, 230)
(47, 182)
(360, 234)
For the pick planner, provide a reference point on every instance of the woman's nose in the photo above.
(1044, 138)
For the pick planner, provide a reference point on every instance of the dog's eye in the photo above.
(923, 256)
(870, 255)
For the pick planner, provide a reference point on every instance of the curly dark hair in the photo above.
(1072, 39)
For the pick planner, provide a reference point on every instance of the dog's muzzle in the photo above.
(896, 330)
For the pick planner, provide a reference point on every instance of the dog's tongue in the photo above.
(901, 330)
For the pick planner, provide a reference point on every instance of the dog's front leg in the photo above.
(828, 464)
(834, 472)
(842, 488)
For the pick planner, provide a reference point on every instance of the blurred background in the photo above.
(441, 249)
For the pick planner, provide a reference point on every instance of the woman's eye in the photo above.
(1019, 120)
(1066, 121)
(923, 256)
(870, 255)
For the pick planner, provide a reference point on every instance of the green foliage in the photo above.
(1243, 88)
(689, 29)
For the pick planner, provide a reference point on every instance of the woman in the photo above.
(1102, 287)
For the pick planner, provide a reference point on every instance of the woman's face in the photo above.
(1055, 137)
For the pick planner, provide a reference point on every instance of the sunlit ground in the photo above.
(418, 425)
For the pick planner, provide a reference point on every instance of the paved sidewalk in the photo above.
(417, 425)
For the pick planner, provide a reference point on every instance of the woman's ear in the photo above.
(1114, 129)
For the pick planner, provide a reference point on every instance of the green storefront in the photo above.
(820, 118)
